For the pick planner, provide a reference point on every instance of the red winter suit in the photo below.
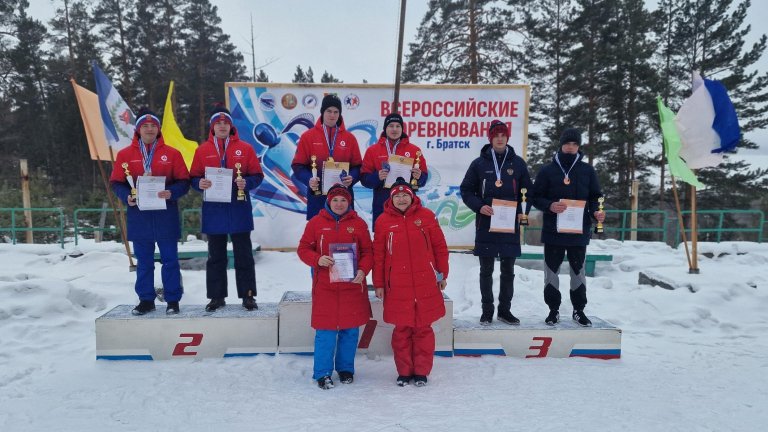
(313, 142)
(337, 305)
(409, 252)
(145, 228)
(373, 162)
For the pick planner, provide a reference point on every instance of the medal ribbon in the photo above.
(222, 154)
(393, 151)
(557, 159)
(496, 163)
(331, 143)
(146, 159)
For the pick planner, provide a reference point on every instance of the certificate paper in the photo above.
(399, 166)
(504, 216)
(332, 174)
(571, 221)
(344, 267)
(221, 187)
(148, 187)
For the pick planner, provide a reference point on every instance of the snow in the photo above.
(693, 361)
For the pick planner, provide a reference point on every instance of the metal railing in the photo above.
(707, 226)
(80, 227)
(39, 223)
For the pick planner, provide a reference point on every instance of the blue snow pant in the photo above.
(341, 344)
(145, 269)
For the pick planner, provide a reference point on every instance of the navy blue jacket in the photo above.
(549, 187)
(478, 189)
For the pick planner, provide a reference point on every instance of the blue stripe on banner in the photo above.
(123, 357)
(476, 352)
(246, 354)
(103, 87)
(444, 353)
(726, 123)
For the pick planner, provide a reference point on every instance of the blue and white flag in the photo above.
(118, 119)
(707, 124)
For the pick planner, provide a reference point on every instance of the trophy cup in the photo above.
(414, 181)
(317, 191)
(599, 226)
(134, 191)
(240, 192)
(524, 217)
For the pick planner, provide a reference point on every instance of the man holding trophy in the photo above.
(225, 169)
(325, 155)
(391, 157)
(568, 193)
(494, 188)
(150, 177)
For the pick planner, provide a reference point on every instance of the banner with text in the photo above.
(449, 123)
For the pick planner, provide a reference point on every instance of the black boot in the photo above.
(143, 307)
(346, 377)
(580, 317)
(214, 304)
(508, 318)
(552, 318)
(172, 308)
(487, 317)
(250, 303)
(325, 383)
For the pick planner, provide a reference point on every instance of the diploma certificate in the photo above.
(504, 216)
(332, 174)
(221, 185)
(148, 188)
(399, 166)
(571, 221)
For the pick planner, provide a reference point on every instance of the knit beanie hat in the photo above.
(146, 116)
(339, 190)
(401, 186)
(495, 127)
(219, 113)
(393, 118)
(571, 135)
(330, 100)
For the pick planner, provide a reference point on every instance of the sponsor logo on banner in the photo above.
(289, 101)
(267, 101)
(309, 101)
(351, 101)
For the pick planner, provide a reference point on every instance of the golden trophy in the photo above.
(414, 181)
(240, 192)
(599, 226)
(523, 216)
(314, 175)
(129, 179)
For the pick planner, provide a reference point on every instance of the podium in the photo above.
(296, 336)
(230, 331)
(532, 338)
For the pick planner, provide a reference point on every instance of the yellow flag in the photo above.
(172, 134)
(88, 102)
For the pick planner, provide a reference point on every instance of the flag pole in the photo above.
(680, 219)
(396, 102)
(694, 267)
(118, 214)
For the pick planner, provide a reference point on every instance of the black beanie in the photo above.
(570, 135)
(393, 118)
(330, 100)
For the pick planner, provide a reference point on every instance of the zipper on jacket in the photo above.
(482, 191)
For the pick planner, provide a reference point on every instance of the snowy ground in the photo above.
(691, 361)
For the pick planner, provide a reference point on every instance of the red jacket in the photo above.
(409, 250)
(234, 216)
(338, 305)
(167, 161)
(312, 142)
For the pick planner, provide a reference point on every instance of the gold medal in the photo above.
(498, 183)
(330, 159)
(567, 181)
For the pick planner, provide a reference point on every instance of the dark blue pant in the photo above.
(341, 344)
(145, 269)
(506, 283)
(216, 267)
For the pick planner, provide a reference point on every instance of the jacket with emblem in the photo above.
(479, 188)
(313, 143)
(409, 251)
(234, 216)
(337, 305)
(375, 157)
(550, 187)
(151, 225)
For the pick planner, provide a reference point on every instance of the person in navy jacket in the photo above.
(374, 172)
(338, 308)
(328, 139)
(148, 155)
(232, 219)
(566, 177)
(501, 174)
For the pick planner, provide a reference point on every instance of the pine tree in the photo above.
(262, 77)
(329, 78)
(464, 41)
(110, 18)
(303, 77)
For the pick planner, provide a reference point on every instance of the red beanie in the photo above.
(339, 190)
(496, 127)
(401, 186)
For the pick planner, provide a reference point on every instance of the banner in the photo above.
(117, 118)
(448, 122)
(172, 133)
(88, 102)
